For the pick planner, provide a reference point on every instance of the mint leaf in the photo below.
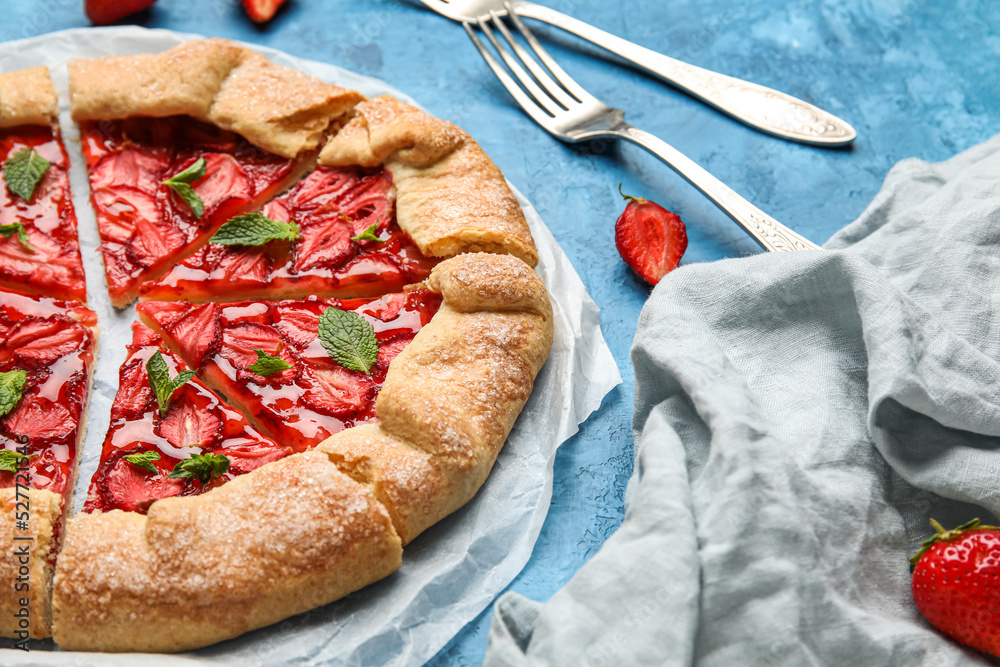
(11, 386)
(368, 235)
(349, 339)
(144, 460)
(267, 365)
(10, 460)
(9, 230)
(255, 229)
(162, 384)
(181, 184)
(202, 467)
(23, 171)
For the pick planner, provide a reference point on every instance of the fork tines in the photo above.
(545, 92)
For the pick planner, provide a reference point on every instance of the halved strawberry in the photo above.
(41, 420)
(262, 10)
(37, 343)
(188, 422)
(650, 238)
(121, 485)
(143, 336)
(251, 264)
(103, 12)
(198, 333)
(337, 391)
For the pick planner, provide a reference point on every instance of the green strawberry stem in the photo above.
(630, 198)
(942, 535)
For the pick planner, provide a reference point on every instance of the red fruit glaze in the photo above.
(197, 422)
(262, 10)
(55, 267)
(53, 341)
(330, 206)
(145, 227)
(316, 398)
(955, 587)
(103, 12)
(650, 239)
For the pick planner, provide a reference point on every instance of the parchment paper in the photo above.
(455, 569)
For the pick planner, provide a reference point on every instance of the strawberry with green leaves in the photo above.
(955, 583)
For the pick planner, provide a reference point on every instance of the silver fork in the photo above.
(760, 107)
(573, 115)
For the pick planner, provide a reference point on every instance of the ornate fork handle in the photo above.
(758, 106)
(768, 232)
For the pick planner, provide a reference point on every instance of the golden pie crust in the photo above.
(280, 109)
(27, 97)
(308, 529)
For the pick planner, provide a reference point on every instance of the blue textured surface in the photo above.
(915, 78)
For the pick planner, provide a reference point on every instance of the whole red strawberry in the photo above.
(955, 587)
(650, 238)
(103, 12)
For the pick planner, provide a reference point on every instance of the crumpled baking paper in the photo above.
(455, 569)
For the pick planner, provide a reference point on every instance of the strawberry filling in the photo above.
(145, 226)
(54, 267)
(331, 207)
(51, 341)
(317, 397)
(196, 422)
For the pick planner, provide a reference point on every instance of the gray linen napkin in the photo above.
(798, 417)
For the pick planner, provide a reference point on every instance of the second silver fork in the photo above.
(567, 111)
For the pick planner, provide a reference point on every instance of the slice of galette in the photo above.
(415, 423)
(397, 191)
(180, 142)
(46, 358)
(39, 248)
(169, 434)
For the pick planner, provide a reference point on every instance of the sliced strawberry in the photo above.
(41, 420)
(103, 12)
(197, 334)
(150, 242)
(241, 339)
(650, 238)
(299, 322)
(224, 180)
(326, 242)
(189, 423)
(121, 485)
(134, 395)
(250, 457)
(389, 348)
(262, 10)
(143, 336)
(370, 204)
(248, 264)
(164, 313)
(338, 391)
(129, 167)
(40, 342)
(387, 308)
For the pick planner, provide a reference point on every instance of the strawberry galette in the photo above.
(340, 325)
(39, 249)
